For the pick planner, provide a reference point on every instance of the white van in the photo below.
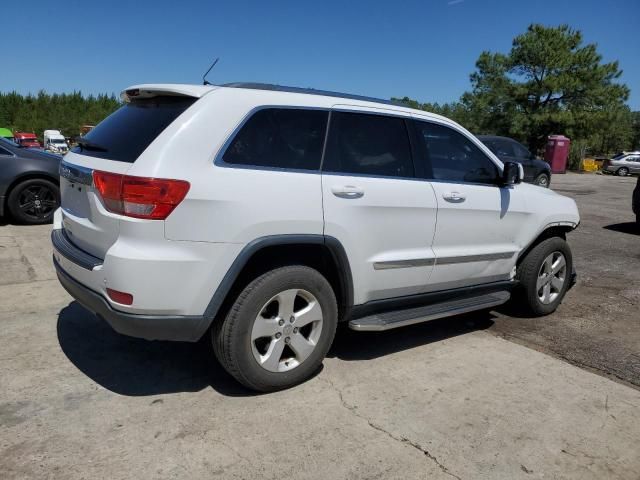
(263, 215)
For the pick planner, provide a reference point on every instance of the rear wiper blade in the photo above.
(89, 145)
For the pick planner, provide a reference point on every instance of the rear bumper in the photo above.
(150, 327)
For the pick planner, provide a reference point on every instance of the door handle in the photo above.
(348, 191)
(454, 197)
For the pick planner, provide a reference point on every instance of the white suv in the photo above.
(264, 215)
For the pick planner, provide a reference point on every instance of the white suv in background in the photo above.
(264, 215)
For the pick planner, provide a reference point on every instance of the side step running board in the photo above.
(409, 316)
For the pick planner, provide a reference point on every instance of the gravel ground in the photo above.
(598, 324)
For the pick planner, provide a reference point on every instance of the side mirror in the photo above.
(512, 173)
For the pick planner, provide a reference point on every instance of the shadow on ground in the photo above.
(135, 367)
(632, 228)
(5, 221)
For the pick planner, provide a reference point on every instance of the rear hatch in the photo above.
(113, 146)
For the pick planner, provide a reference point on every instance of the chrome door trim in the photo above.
(417, 262)
(485, 257)
(428, 262)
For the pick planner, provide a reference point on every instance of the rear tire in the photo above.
(542, 180)
(544, 277)
(622, 172)
(34, 201)
(278, 330)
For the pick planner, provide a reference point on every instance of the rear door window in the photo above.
(366, 144)
(128, 131)
(289, 138)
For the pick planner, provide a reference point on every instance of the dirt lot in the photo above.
(598, 324)
(478, 396)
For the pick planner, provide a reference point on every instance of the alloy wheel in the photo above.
(543, 181)
(551, 277)
(286, 330)
(37, 202)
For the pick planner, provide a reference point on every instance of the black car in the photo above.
(29, 183)
(508, 150)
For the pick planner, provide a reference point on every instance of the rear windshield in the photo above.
(128, 131)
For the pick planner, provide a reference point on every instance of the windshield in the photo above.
(28, 140)
(57, 140)
(619, 156)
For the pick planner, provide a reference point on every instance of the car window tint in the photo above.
(503, 148)
(280, 137)
(368, 144)
(491, 145)
(5, 152)
(451, 156)
(128, 131)
(520, 151)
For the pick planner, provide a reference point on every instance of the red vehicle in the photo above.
(27, 140)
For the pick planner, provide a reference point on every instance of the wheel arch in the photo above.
(553, 230)
(324, 253)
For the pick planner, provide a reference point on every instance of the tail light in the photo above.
(139, 197)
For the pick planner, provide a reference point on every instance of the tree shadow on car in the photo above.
(350, 345)
(135, 367)
(632, 228)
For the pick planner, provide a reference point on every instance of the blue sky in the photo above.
(423, 49)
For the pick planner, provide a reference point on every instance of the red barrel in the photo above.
(557, 153)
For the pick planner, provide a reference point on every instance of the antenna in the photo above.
(204, 77)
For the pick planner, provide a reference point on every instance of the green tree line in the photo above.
(550, 82)
(58, 111)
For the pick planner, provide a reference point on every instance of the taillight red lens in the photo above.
(109, 185)
(139, 197)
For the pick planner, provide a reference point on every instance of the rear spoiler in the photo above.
(172, 90)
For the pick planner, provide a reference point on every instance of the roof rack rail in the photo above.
(309, 91)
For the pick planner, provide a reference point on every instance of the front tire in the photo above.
(34, 201)
(544, 277)
(622, 172)
(542, 180)
(278, 330)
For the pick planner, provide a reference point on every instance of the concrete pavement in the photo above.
(440, 400)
